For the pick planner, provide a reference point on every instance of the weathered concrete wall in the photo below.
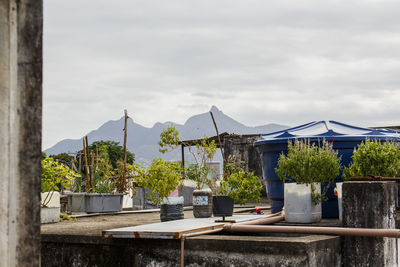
(369, 205)
(20, 131)
(243, 145)
(200, 251)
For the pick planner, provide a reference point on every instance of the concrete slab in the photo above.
(175, 229)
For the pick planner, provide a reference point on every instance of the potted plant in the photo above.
(238, 186)
(307, 166)
(372, 161)
(54, 177)
(162, 177)
(107, 186)
(198, 172)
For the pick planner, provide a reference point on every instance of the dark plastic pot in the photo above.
(222, 206)
(202, 203)
(171, 212)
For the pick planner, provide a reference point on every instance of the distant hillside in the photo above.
(143, 141)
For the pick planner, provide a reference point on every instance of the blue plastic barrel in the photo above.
(345, 139)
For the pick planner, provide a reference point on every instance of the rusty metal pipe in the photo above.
(273, 218)
(372, 232)
(184, 236)
(276, 217)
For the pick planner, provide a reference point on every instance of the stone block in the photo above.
(369, 205)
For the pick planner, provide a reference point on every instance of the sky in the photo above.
(260, 62)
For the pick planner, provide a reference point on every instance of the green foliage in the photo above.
(199, 174)
(65, 217)
(102, 171)
(44, 155)
(169, 139)
(307, 163)
(162, 177)
(103, 186)
(375, 158)
(203, 154)
(55, 174)
(232, 165)
(114, 151)
(241, 186)
(122, 182)
(64, 158)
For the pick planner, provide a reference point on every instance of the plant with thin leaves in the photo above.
(162, 177)
(169, 139)
(307, 163)
(204, 153)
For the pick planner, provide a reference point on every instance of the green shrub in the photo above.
(307, 163)
(162, 177)
(241, 186)
(375, 158)
(169, 139)
(54, 177)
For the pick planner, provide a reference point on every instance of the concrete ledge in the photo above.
(211, 250)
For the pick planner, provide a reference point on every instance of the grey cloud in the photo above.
(258, 61)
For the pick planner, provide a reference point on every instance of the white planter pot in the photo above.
(298, 204)
(50, 213)
(339, 197)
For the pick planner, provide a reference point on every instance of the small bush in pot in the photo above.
(308, 166)
(238, 186)
(242, 186)
(162, 177)
(374, 158)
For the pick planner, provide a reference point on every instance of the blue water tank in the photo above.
(344, 138)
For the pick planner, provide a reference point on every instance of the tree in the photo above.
(114, 150)
(64, 158)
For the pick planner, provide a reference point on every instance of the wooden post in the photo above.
(86, 165)
(183, 160)
(219, 140)
(125, 137)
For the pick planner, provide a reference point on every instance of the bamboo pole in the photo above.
(86, 166)
(219, 140)
(89, 166)
(125, 137)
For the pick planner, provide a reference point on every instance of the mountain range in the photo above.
(142, 141)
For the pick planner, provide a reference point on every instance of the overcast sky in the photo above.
(287, 62)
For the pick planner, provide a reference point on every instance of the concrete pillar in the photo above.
(369, 205)
(20, 131)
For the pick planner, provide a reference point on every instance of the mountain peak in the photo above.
(143, 141)
(214, 109)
